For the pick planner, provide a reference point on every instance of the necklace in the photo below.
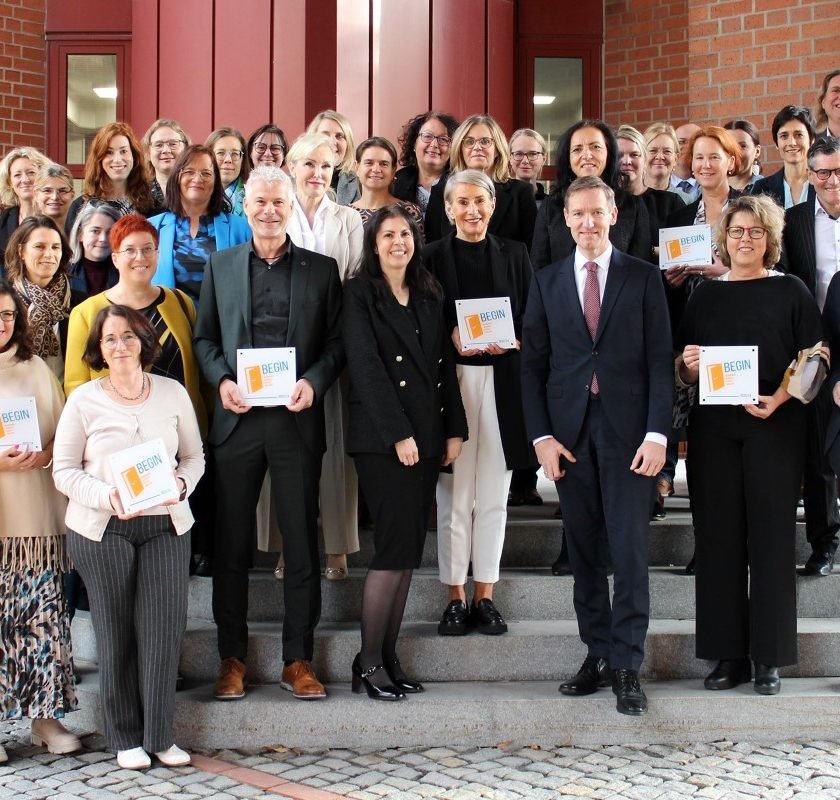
(120, 394)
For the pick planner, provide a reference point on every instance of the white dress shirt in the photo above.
(827, 241)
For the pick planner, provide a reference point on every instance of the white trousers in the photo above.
(472, 501)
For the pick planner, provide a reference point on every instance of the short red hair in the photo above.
(130, 223)
(724, 138)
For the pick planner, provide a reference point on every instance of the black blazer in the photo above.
(511, 272)
(774, 186)
(831, 323)
(659, 204)
(401, 384)
(224, 324)
(8, 225)
(553, 240)
(513, 217)
(799, 246)
(632, 356)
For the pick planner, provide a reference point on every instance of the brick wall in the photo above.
(23, 66)
(715, 60)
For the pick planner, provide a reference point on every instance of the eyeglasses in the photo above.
(111, 342)
(754, 233)
(484, 142)
(428, 137)
(201, 174)
(167, 144)
(233, 155)
(8, 316)
(132, 252)
(531, 155)
(825, 174)
(62, 192)
(261, 147)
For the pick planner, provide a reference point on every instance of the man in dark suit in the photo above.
(811, 253)
(597, 386)
(268, 293)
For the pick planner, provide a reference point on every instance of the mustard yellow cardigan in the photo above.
(179, 317)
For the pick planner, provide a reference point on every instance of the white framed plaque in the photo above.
(266, 376)
(19, 424)
(689, 244)
(143, 476)
(729, 375)
(484, 321)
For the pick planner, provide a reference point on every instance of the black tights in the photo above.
(383, 603)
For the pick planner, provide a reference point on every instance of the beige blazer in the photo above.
(343, 234)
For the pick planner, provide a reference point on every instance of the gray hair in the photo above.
(589, 182)
(824, 146)
(89, 209)
(269, 174)
(469, 176)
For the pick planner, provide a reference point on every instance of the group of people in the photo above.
(135, 302)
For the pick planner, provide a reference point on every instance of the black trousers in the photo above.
(600, 493)
(266, 438)
(745, 482)
(822, 520)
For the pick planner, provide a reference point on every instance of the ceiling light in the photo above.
(543, 99)
(110, 92)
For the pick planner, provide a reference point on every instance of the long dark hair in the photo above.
(417, 277)
(411, 130)
(611, 174)
(216, 202)
(20, 336)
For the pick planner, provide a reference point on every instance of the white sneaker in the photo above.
(50, 733)
(136, 758)
(3, 757)
(174, 757)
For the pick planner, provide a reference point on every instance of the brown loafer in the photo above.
(299, 679)
(231, 683)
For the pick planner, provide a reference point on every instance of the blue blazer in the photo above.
(230, 231)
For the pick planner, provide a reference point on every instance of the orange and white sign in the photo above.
(728, 375)
(484, 321)
(143, 476)
(690, 244)
(19, 423)
(266, 376)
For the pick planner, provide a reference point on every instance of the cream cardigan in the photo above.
(93, 426)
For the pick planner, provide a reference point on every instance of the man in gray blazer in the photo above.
(268, 293)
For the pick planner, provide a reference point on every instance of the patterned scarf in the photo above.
(47, 307)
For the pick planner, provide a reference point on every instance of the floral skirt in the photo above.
(36, 659)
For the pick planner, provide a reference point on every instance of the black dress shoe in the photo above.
(531, 497)
(658, 512)
(729, 673)
(593, 674)
(562, 565)
(821, 562)
(485, 618)
(372, 681)
(630, 698)
(204, 567)
(515, 499)
(398, 678)
(767, 679)
(454, 619)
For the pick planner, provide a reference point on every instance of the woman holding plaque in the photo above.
(746, 460)
(36, 662)
(133, 564)
(472, 501)
(406, 419)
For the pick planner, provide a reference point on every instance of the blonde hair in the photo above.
(768, 214)
(38, 159)
(499, 171)
(348, 162)
(662, 129)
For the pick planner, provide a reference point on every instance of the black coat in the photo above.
(774, 186)
(553, 240)
(511, 273)
(401, 384)
(799, 245)
(513, 217)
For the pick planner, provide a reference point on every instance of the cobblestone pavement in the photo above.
(720, 771)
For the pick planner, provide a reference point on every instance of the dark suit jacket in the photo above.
(224, 325)
(401, 384)
(774, 186)
(831, 323)
(799, 245)
(631, 353)
(513, 217)
(511, 273)
(553, 240)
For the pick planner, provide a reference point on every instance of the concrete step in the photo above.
(520, 594)
(531, 650)
(484, 714)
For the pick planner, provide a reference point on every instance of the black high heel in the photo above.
(375, 692)
(398, 677)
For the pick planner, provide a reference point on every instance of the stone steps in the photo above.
(487, 714)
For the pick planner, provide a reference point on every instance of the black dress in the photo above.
(746, 471)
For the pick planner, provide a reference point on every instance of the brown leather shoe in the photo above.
(231, 683)
(300, 680)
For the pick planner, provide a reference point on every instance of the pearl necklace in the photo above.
(120, 394)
